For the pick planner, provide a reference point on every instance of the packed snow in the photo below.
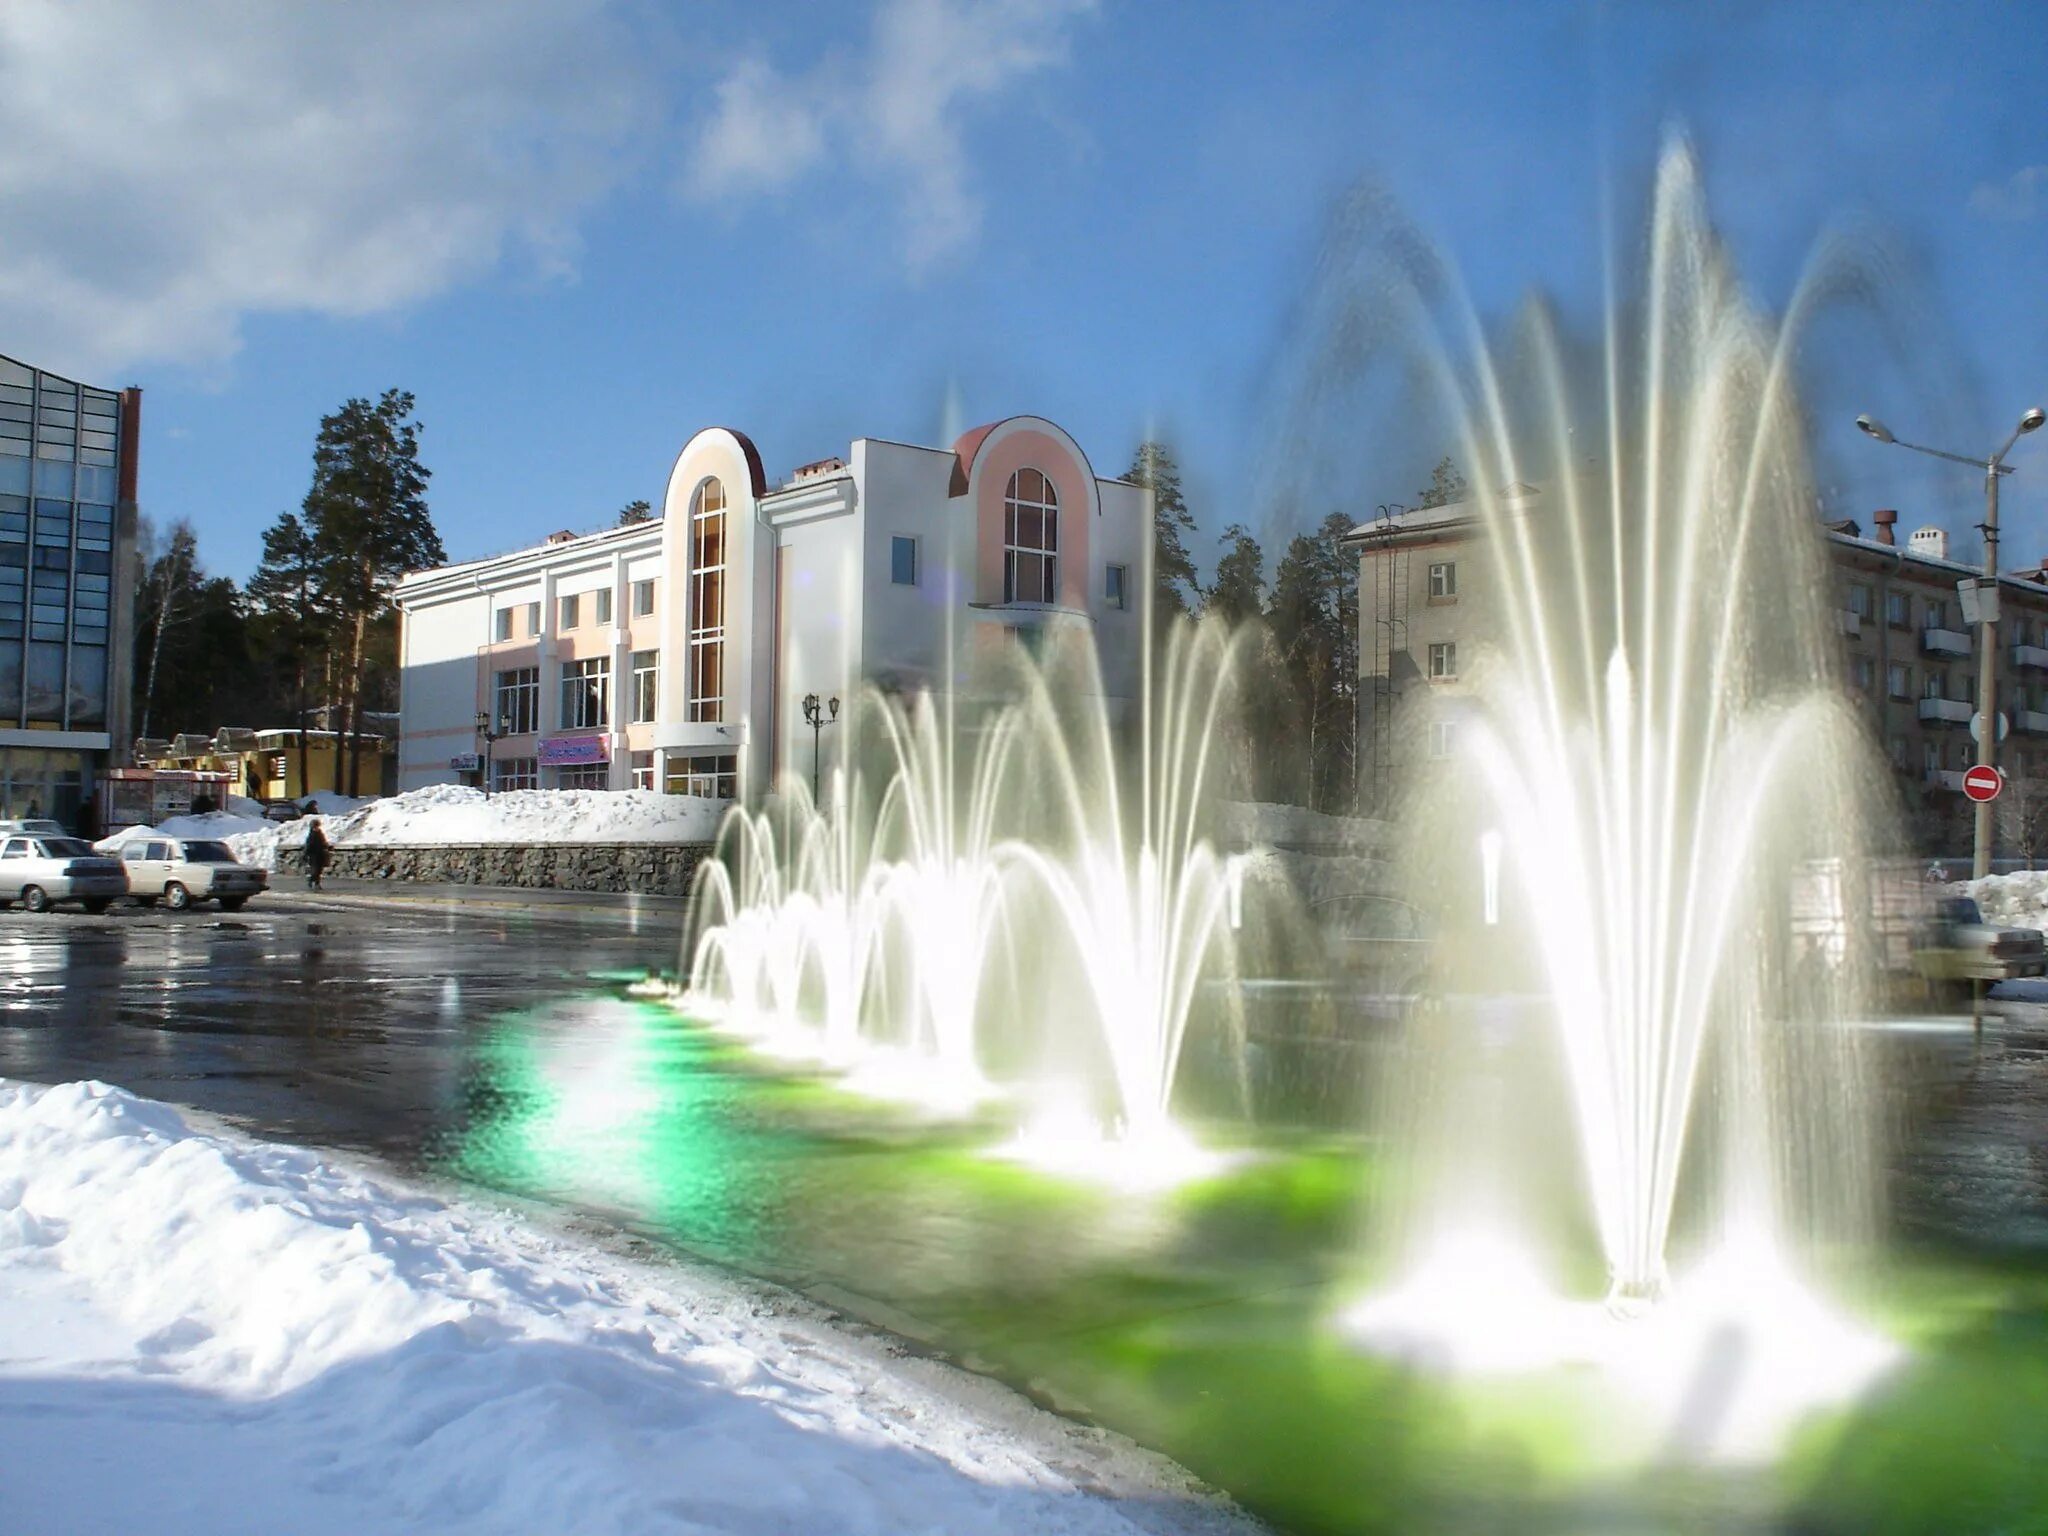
(455, 813)
(209, 1334)
(2016, 900)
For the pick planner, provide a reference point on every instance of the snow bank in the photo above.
(2017, 900)
(210, 1334)
(455, 813)
(217, 824)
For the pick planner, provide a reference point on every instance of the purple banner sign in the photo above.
(564, 751)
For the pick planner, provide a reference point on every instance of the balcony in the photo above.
(1945, 778)
(1850, 621)
(2030, 722)
(1944, 642)
(2035, 656)
(1946, 711)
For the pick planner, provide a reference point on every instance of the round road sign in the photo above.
(1982, 783)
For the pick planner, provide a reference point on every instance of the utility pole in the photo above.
(1987, 638)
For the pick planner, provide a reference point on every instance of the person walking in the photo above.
(318, 851)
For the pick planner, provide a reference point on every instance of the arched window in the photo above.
(1031, 539)
(707, 604)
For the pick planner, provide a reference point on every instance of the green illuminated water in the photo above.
(1200, 1322)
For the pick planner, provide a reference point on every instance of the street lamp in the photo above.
(815, 716)
(1987, 647)
(490, 737)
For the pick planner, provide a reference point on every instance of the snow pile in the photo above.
(214, 824)
(328, 803)
(205, 1333)
(455, 813)
(2017, 900)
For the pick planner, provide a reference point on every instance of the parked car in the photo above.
(181, 870)
(1956, 944)
(35, 826)
(282, 810)
(38, 872)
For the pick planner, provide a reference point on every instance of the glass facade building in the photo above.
(67, 548)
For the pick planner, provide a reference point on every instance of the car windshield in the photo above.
(209, 853)
(1960, 909)
(66, 848)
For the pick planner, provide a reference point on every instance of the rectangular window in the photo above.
(516, 710)
(643, 598)
(501, 628)
(1443, 580)
(569, 606)
(584, 776)
(643, 770)
(1442, 734)
(515, 773)
(1898, 751)
(1930, 756)
(1443, 659)
(1866, 673)
(646, 686)
(903, 560)
(586, 694)
(706, 677)
(1898, 681)
(715, 776)
(1935, 614)
(1895, 610)
(1859, 600)
(1931, 686)
(1116, 584)
(604, 605)
(1031, 540)
(533, 619)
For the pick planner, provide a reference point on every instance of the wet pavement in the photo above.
(479, 1037)
(305, 1018)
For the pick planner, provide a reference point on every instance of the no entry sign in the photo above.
(1982, 783)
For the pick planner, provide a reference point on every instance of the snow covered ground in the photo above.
(2017, 900)
(454, 813)
(208, 1334)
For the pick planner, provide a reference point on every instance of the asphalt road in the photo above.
(350, 1019)
(320, 1019)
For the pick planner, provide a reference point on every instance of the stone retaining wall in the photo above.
(660, 869)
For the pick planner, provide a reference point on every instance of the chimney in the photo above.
(1884, 520)
(1930, 540)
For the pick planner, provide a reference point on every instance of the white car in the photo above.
(39, 872)
(181, 870)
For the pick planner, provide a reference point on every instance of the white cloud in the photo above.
(2021, 196)
(897, 114)
(167, 170)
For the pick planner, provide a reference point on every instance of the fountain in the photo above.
(861, 932)
(1650, 747)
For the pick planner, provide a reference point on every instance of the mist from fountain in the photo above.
(863, 932)
(1652, 741)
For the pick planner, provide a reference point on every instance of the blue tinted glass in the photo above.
(903, 562)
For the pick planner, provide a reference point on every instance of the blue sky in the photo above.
(578, 230)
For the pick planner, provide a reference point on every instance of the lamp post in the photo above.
(490, 738)
(1987, 640)
(816, 717)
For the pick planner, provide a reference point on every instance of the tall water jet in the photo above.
(1651, 728)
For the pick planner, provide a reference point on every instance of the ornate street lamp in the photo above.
(817, 718)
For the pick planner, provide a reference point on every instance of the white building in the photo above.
(676, 653)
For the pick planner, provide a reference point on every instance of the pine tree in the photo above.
(1175, 590)
(634, 512)
(1445, 486)
(292, 627)
(1238, 594)
(366, 515)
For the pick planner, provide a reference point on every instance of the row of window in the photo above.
(586, 695)
(905, 567)
(571, 610)
(714, 775)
